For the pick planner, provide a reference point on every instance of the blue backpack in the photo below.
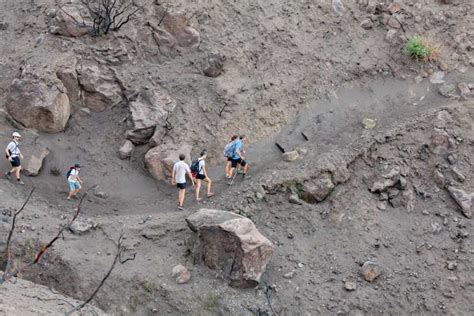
(229, 149)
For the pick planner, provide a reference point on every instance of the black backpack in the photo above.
(69, 171)
(195, 167)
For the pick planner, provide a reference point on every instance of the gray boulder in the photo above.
(231, 244)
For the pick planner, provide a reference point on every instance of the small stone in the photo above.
(294, 199)
(100, 194)
(290, 156)
(443, 66)
(418, 79)
(439, 179)
(80, 227)
(452, 159)
(393, 192)
(289, 275)
(369, 123)
(394, 7)
(394, 23)
(382, 186)
(436, 228)
(181, 274)
(383, 196)
(463, 199)
(437, 77)
(458, 175)
(448, 91)
(350, 285)
(300, 265)
(451, 265)
(371, 271)
(126, 150)
(366, 24)
(382, 206)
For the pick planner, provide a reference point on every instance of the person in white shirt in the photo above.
(178, 177)
(202, 175)
(13, 154)
(75, 183)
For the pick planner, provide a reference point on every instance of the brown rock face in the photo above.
(178, 26)
(69, 21)
(160, 162)
(39, 104)
(230, 243)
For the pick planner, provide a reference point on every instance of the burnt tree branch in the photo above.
(118, 255)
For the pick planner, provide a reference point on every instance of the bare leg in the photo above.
(227, 168)
(198, 188)
(209, 184)
(181, 197)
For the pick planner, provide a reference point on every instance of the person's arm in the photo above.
(173, 173)
(190, 175)
(7, 152)
(21, 155)
(79, 179)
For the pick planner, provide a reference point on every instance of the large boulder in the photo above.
(318, 189)
(34, 160)
(40, 103)
(100, 89)
(159, 161)
(70, 20)
(149, 111)
(231, 244)
(66, 72)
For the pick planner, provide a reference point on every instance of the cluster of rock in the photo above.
(392, 185)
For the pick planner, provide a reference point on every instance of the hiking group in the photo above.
(233, 153)
(14, 156)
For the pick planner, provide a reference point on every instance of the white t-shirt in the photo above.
(180, 169)
(202, 164)
(14, 149)
(73, 175)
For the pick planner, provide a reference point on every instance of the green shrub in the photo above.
(420, 48)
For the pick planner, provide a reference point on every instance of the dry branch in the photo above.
(118, 258)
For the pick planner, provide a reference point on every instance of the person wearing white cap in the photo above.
(13, 154)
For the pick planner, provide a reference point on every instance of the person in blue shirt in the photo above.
(238, 157)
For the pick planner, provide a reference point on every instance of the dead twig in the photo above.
(120, 250)
(7, 275)
(10, 234)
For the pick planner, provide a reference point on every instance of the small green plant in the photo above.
(421, 48)
(211, 301)
(55, 171)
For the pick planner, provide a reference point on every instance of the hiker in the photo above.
(14, 155)
(178, 177)
(199, 168)
(238, 158)
(228, 152)
(75, 183)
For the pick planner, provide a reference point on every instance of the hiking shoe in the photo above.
(180, 208)
(7, 175)
(245, 176)
(21, 182)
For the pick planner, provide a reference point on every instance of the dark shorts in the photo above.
(181, 186)
(238, 161)
(200, 176)
(229, 159)
(15, 162)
